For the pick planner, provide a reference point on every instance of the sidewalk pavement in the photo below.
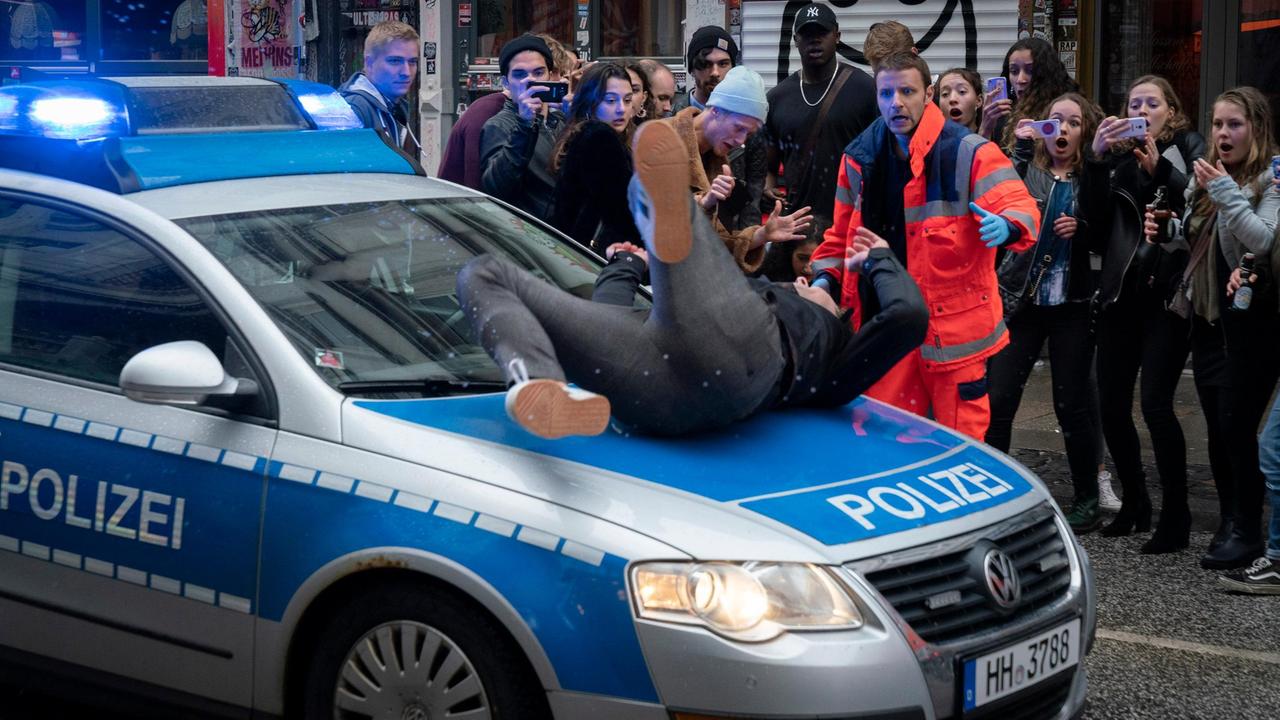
(1037, 443)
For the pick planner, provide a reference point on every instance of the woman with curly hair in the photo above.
(592, 160)
(1034, 76)
(1048, 290)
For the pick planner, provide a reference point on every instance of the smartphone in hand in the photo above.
(1137, 128)
(1047, 129)
(552, 92)
(996, 90)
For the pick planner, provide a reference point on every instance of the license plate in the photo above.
(1021, 665)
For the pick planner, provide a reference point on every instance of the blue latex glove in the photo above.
(994, 229)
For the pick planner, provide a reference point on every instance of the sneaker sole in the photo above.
(662, 164)
(1247, 588)
(545, 408)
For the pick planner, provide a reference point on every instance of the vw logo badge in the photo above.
(1002, 579)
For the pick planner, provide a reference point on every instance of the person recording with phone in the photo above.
(1231, 211)
(1033, 76)
(1047, 291)
(517, 144)
(1135, 330)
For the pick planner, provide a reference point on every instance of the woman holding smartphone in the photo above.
(1135, 330)
(592, 160)
(1033, 76)
(1048, 289)
(1232, 206)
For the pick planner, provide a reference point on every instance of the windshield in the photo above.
(366, 291)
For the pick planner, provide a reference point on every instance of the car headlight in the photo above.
(752, 601)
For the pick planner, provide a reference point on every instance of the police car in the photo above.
(254, 462)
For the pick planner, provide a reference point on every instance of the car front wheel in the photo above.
(409, 652)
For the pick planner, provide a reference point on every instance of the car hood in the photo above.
(842, 483)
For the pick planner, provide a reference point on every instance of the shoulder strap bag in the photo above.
(806, 153)
(1180, 303)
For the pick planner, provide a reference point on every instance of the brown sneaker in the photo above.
(551, 409)
(660, 200)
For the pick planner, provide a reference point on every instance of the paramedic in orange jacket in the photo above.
(944, 199)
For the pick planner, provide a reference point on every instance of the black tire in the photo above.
(491, 673)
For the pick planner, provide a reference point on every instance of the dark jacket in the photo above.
(375, 112)
(515, 157)
(827, 364)
(591, 192)
(749, 165)
(1128, 263)
(461, 161)
(1092, 215)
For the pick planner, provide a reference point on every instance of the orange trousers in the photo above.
(955, 397)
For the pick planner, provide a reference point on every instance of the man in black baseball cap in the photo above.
(815, 14)
(814, 114)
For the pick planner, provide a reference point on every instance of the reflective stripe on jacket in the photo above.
(956, 273)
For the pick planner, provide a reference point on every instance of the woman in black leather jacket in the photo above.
(1136, 331)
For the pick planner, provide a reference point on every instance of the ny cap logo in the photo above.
(813, 12)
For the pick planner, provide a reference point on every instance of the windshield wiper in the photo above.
(426, 387)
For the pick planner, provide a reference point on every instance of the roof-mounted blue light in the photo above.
(324, 105)
(64, 110)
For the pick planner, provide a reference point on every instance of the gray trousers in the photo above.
(707, 354)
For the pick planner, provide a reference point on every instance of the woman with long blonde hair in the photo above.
(1232, 206)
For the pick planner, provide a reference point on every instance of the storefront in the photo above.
(1202, 46)
(129, 37)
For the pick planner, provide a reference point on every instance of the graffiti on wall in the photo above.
(952, 11)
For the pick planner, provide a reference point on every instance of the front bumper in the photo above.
(883, 669)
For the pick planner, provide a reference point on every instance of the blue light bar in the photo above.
(165, 160)
(69, 110)
(324, 105)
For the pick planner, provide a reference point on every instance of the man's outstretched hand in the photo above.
(784, 228)
(993, 229)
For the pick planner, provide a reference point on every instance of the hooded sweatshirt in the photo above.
(373, 109)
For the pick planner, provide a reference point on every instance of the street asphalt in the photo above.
(1171, 642)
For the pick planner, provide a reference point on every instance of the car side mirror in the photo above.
(179, 373)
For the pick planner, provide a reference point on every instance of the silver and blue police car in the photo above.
(255, 463)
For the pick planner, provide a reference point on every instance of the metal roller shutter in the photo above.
(942, 29)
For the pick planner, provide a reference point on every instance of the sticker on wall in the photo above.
(264, 39)
(464, 15)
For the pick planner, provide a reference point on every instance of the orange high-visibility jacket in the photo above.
(955, 271)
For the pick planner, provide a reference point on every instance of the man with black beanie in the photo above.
(516, 144)
(711, 54)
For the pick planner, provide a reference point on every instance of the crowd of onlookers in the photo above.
(1027, 215)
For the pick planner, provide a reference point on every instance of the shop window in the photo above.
(1160, 37)
(48, 30)
(498, 21)
(641, 28)
(156, 29)
(1257, 60)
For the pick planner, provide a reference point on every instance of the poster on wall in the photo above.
(266, 38)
